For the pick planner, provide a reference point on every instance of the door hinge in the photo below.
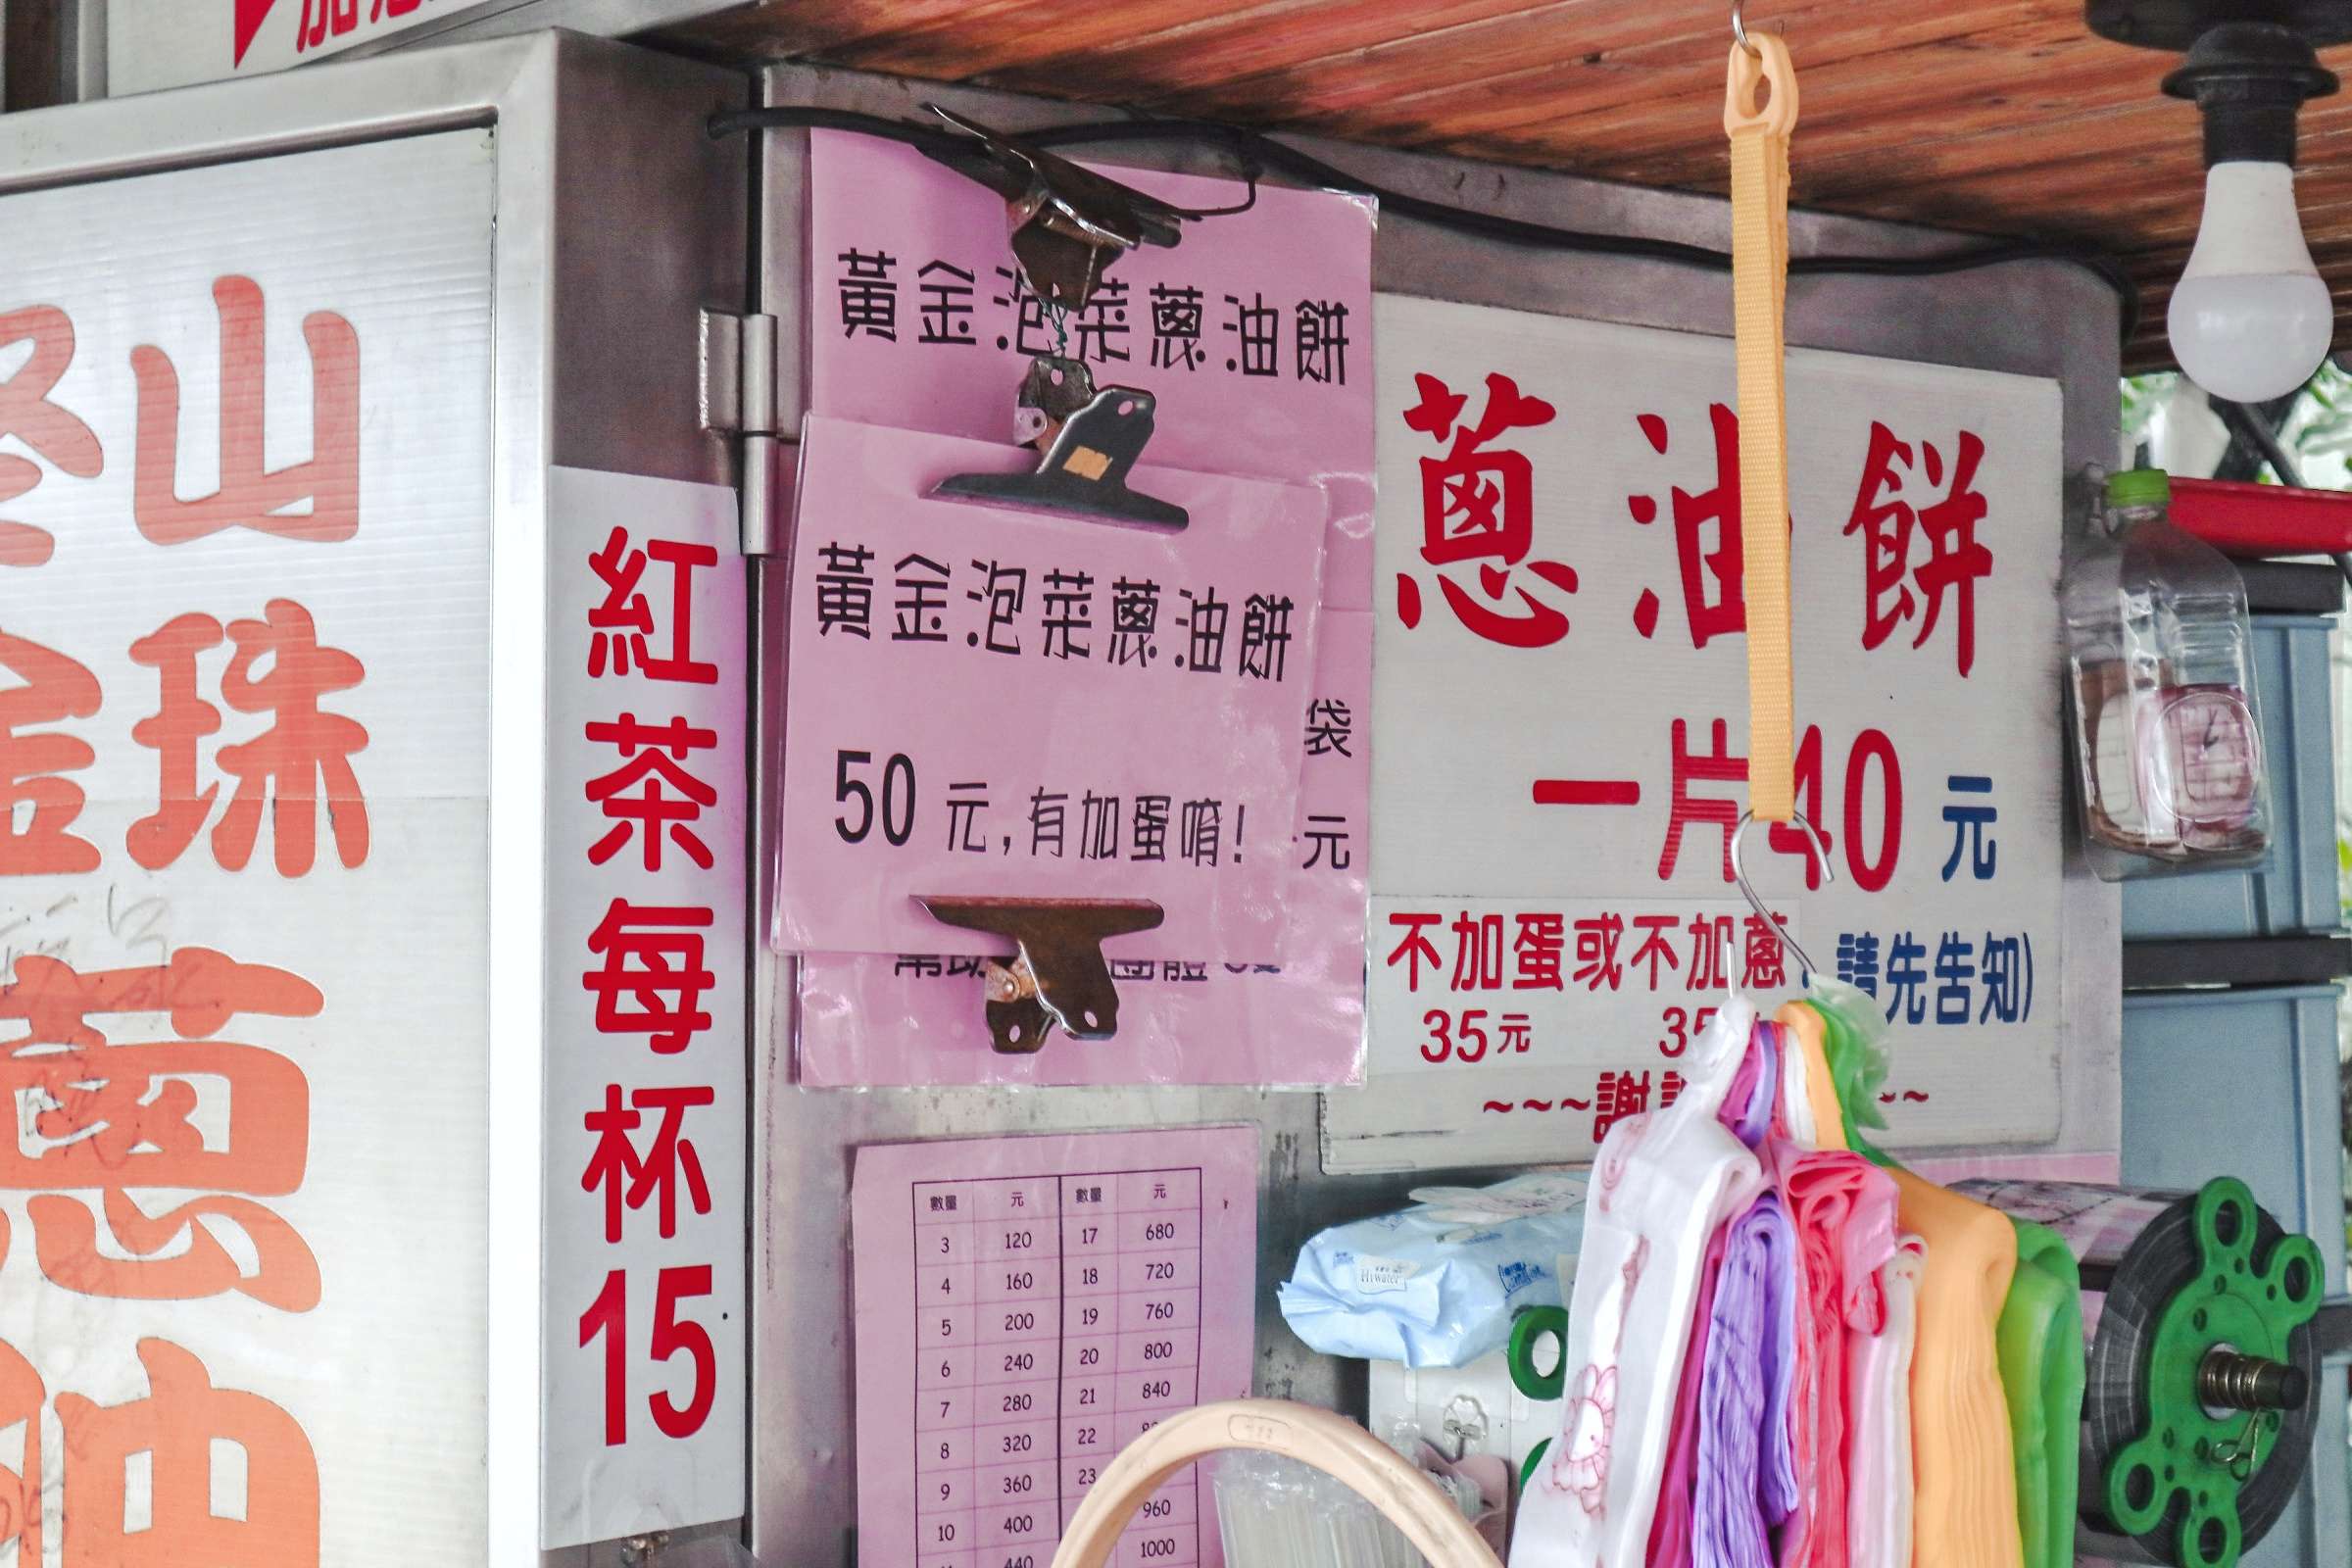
(738, 399)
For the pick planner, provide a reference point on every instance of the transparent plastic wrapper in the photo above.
(2167, 725)
(1254, 336)
(1274, 1512)
(1438, 1284)
(879, 1019)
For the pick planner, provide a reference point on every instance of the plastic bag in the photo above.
(1438, 1284)
(1664, 1183)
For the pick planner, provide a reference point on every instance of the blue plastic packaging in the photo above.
(1438, 1284)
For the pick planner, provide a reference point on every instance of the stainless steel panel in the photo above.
(2042, 318)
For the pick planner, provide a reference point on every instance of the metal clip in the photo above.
(1057, 976)
(1068, 224)
(1084, 471)
(1056, 388)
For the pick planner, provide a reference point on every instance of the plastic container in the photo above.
(2292, 891)
(2168, 731)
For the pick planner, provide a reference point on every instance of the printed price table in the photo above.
(1026, 1308)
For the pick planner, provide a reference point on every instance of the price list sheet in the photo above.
(1026, 1308)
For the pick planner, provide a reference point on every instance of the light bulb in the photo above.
(2251, 318)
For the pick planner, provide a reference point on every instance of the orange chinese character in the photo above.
(251, 494)
(301, 749)
(26, 413)
(113, 1117)
(53, 687)
(175, 1427)
(21, 1393)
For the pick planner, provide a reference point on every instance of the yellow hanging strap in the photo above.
(1759, 294)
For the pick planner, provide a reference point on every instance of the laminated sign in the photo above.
(983, 702)
(1562, 713)
(1253, 335)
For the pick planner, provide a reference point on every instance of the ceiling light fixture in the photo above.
(2251, 317)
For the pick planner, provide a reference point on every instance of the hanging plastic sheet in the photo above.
(2041, 1344)
(1664, 1183)
(1964, 1478)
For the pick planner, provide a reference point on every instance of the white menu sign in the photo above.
(1561, 696)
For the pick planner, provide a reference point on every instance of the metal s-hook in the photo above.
(1755, 902)
(1739, 27)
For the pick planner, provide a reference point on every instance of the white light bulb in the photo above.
(2251, 317)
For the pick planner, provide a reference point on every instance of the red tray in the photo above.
(2262, 519)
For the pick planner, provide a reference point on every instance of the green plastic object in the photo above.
(2247, 1304)
(1857, 1062)
(1527, 1329)
(2139, 487)
(2039, 1339)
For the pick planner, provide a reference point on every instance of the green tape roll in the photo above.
(2167, 1279)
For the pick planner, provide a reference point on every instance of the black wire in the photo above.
(1256, 151)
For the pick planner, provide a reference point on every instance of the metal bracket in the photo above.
(1057, 976)
(1068, 224)
(738, 399)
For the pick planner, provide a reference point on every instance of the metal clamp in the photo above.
(1068, 224)
(1057, 976)
(1092, 447)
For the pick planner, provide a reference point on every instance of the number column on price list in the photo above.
(988, 1327)
(1132, 1282)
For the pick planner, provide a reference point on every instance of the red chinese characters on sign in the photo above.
(1872, 803)
(653, 796)
(114, 1117)
(320, 19)
(1707, 543)
(316, 499)
(1478, 505)
(300, 760)
(46, 689)
(621, 635)
(50, 430)
(623, 1175)
(650, 974)
(1887, 523)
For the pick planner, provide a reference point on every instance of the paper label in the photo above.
(918, 1018)
(989, 702)
(1376, 1275)
(1255, 333)
(1550, 1195)
(1026, 1308)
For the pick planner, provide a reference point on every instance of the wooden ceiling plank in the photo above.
(1524, 76)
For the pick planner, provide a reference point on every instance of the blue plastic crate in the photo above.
(2248, 1084)
(2293, 889)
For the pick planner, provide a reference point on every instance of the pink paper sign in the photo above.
(918, 1018)
(991, 702)
(1026, 1308)
(1255, 330)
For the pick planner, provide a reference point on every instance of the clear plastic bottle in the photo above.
(2168, 733)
